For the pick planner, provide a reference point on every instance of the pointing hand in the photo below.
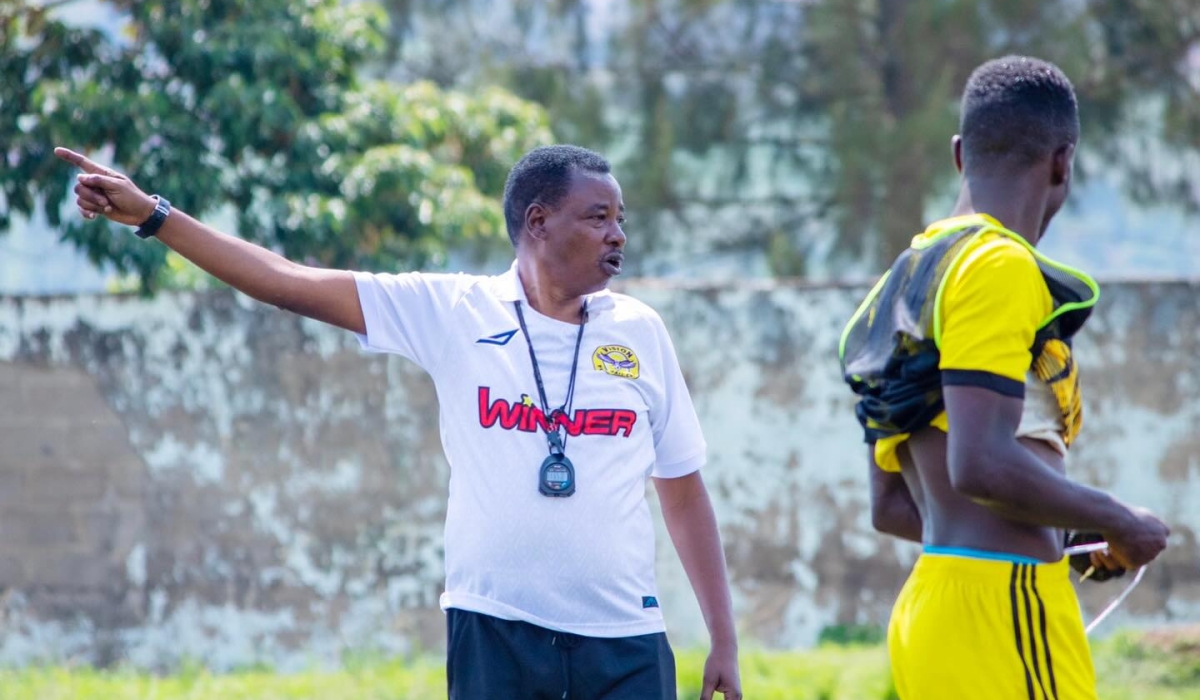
(104, 191)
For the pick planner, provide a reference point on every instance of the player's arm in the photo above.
(993, 305)
(692, 525)
(325, 295)
(990, 466)
(893, 510)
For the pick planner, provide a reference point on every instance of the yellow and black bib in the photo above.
(891, 350)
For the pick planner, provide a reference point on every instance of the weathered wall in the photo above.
(205, 477)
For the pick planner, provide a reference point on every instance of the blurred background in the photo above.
(753, 138)
(187, 476)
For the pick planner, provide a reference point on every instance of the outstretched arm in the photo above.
(893, 510)
(690, 521)
(325, 295)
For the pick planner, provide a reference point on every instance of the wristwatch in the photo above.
(151, 225)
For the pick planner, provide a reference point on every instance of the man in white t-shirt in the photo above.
(558, 400)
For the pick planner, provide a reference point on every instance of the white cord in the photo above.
(1137, 578)
(1116, 601)
(1085, 548)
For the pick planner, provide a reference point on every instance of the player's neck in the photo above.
(1008, 200)
(545, 296)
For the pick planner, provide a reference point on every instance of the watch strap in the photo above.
(151, 225)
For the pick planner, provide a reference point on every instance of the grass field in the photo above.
(1152, 666)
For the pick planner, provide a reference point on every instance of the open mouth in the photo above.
(612, 262)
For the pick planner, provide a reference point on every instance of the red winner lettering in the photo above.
(517, 415)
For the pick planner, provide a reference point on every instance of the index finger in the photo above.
(86, 164)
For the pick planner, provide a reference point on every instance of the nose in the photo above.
(616, 235)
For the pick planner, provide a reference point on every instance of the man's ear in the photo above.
(1062, 164)
(535, 221)
(956, 149)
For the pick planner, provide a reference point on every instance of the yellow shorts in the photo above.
(984, 629)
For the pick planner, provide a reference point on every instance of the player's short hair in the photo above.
(544, 176)
(1016, 111)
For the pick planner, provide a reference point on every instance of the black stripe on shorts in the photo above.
(1016, 617)
(1045, 637)
(1026, 582)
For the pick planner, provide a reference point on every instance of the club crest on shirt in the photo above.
(617, 360)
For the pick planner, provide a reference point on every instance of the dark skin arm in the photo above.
(893, 510)
(987, 464)
(325, 295)
(692, 524)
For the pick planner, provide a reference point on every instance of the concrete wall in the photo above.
(205, 477)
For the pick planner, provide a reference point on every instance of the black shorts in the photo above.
(492, 659)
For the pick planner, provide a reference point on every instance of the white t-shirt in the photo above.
(583, 564)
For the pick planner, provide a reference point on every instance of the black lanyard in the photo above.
(556, 442)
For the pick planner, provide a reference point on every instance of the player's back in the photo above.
(969, 304)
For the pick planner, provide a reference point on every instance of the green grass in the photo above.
(1161, 665)
(825, 673)
(1156, 666)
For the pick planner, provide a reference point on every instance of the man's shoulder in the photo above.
(420, 277)
(629, 309)
(456, 285)
(995, 282)
(445, 290)
(993, 242)
(993, 254)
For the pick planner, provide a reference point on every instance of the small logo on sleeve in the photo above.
(498, 339)
(616, 360)
(649, 601)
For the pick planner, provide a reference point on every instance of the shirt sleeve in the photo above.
(992, 305)
(406, 314)
(679, 447)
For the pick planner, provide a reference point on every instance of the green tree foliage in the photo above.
(1140, 89)
(774, 124)
(889, 74)
(258, 106)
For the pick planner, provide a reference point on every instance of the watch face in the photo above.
(557, 477)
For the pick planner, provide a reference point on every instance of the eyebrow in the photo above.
(601, 206)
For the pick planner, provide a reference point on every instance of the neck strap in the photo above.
(556, 441)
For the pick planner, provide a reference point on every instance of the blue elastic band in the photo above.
(981, 554)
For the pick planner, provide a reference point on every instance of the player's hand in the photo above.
(1094, 566)
(1104, 561)
(721, 674)
(1138, 541)
(105, 192)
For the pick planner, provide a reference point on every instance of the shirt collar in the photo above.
(957, 222)
(508, 288)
